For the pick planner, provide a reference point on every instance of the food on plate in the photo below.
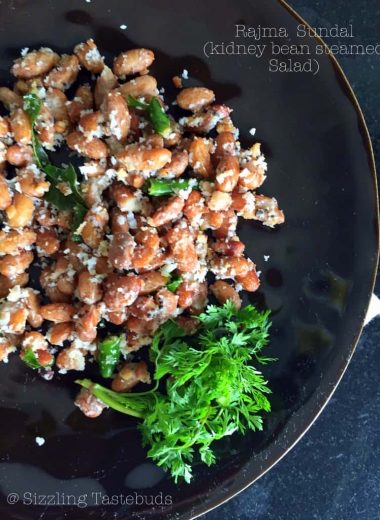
(134, 231)
(211, 389)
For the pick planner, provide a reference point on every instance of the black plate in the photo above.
(317, 281)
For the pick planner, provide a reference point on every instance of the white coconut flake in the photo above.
(168, 267)
(16, 294)
(123, 26)
(132, 223)
(48, 376)
(185, 192)
(82, 345)
(266, 258)
(24, 51)
(121, 220)
(88, 169)
(252, 131)
(185, 74)
(93, 55)
(40, 441)
(115, 128)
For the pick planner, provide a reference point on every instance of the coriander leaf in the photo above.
(158, 118)
(161, 187)
(174, 284)
(109, 354)
(30, 358)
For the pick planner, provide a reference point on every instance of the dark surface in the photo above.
(320, 173)
(333, 473)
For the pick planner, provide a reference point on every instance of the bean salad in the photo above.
(143, 230)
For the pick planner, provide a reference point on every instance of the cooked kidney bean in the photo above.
(137, 257)
(223, 292)
(57, 312)
(195, 98)
(132, 62)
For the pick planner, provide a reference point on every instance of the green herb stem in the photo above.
(211, 387)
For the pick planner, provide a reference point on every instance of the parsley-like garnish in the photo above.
(211, 387)
(73, 200)
(156, 114)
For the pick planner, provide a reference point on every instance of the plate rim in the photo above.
(198, 507)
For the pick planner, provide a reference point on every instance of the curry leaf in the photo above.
(72, 200)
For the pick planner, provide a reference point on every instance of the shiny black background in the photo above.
(317, 280)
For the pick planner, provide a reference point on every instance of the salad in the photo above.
(125, 255)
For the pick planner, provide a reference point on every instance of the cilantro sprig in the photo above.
(156, 114)
(212, 388)
(66, 175)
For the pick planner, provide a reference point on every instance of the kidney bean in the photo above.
(195, 98)
(132, 62)
(224, 292)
